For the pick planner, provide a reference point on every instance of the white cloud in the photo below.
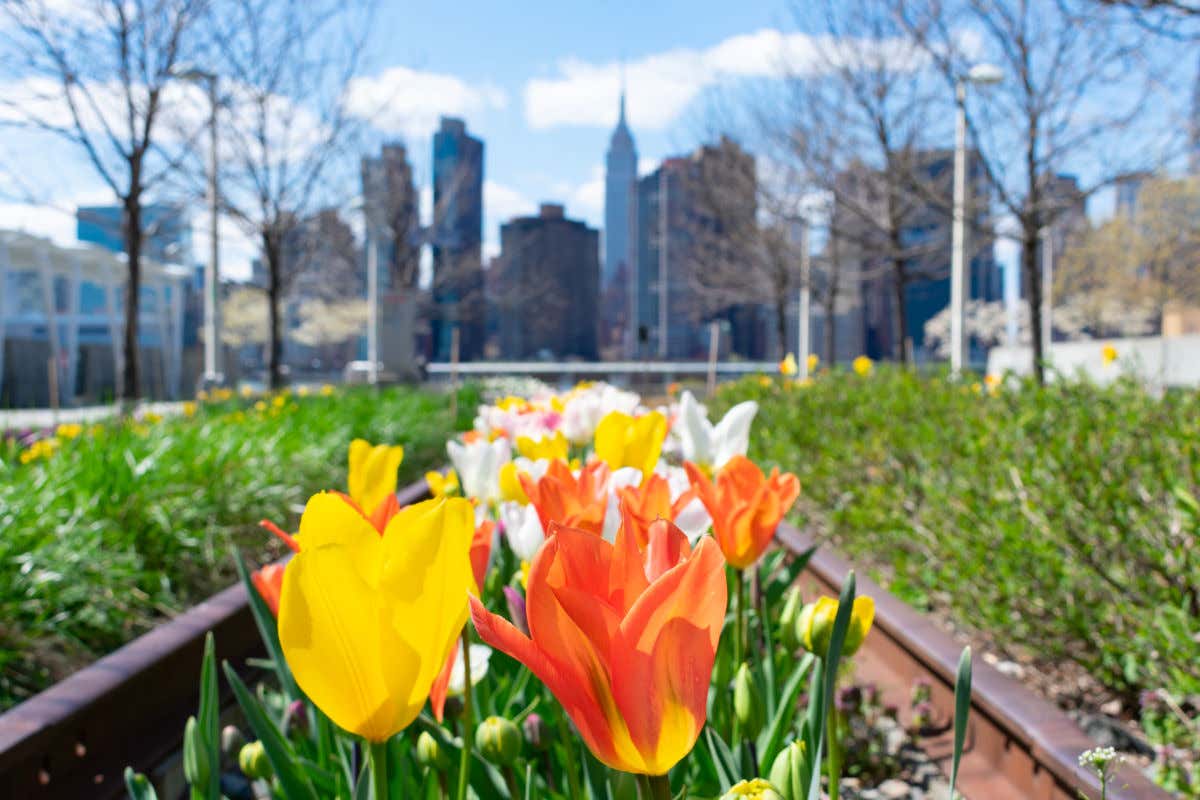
(502, 202)
(660, 86)
(55, 224)
(587, 199)
(409, 102)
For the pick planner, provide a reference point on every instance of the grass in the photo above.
(128, 523)
(1060, 522)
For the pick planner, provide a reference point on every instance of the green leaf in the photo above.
(962, 709)
(837, 640)
(268, 630)
(770, 740)
(291, 776)
(208, 721)
(727, 772)
(139, 786)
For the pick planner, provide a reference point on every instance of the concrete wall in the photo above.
(1159, 362)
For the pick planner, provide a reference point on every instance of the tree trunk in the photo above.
(781, 304)
(830, 334)
(901, 313)
(132, 224)
(272, 250)
(1032, 277)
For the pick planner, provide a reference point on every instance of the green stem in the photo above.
(510, 779)
(379, 770)
(571, 767)
(835, 752)
(654, 787)
(468, 736)
(739, 630)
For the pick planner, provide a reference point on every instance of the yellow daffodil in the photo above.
(1108, 354)
(327, 390)
(68, 430)
(813, 361)
(152, 418)
(366, 622)
(511, 490)
(814, 627)
(554, 447)
(788, 367)
(279, 400)
(42, 448)
(992, 381)
(372, 473)
(764, 381)
(260, 406)
(189, 409)
(626, 441)
(443, 485)
(863, 365)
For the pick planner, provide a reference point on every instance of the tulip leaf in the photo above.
(770, 740)
(292, 778)
(784, 577)
(962, 709)
(727, 771)
(207, 728)
(823, 700)
(268, 630)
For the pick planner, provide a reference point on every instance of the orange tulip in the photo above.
(625, 641)
(745, 505)
(269, 582)
(480, 554)
(642, 505)
(562, 498)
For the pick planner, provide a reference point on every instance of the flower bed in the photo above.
(1057, 526)
(109, 528)
(635, 653)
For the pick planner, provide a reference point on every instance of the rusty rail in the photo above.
(1018, 745)
(75, 739)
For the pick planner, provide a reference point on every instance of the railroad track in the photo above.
(75, 739)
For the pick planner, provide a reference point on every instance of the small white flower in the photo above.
(625, 476)
(522, 528)
(480, 656)
(478, 466)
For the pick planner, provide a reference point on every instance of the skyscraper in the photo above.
(677, 231)
(392, 214)
(457, 240)
(620, 197)
(551, 264)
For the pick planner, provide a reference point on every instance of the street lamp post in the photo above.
(980, 75)
(212, 373)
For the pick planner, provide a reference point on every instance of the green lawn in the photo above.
(126, 524)
(1061, 522)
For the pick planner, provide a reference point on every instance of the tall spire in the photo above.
(621, 118)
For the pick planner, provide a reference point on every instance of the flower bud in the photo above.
(231, 741)
(197, 766)
(791, 772)
(757, 789)
(499, 740)
(453, 708)
(792, 603)
(536, 732)
(814, 626)
(295, 720)
(430, 753)
(253, 761)
(747, 702)
(516, 609)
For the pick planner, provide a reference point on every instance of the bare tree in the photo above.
(289, 132)
(1075, 87)
(97, 75)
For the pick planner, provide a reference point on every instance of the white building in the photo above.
(65, 306)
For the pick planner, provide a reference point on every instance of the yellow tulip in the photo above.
(366, 622)
(443, 485)
(625, 441)
(373, 472)
(510, 484)
(813, 361)
(863, 365)
(553, 447)
(788, 367)
(814, 627)
(68, 430)
(1108, 354)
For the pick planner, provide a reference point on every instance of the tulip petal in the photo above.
(667, 546)
(329, 631)
(329, 520)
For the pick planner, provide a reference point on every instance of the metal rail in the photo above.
(600, 368)
(1018, 745)
(75, 739)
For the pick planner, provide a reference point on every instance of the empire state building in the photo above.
(617, 278)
